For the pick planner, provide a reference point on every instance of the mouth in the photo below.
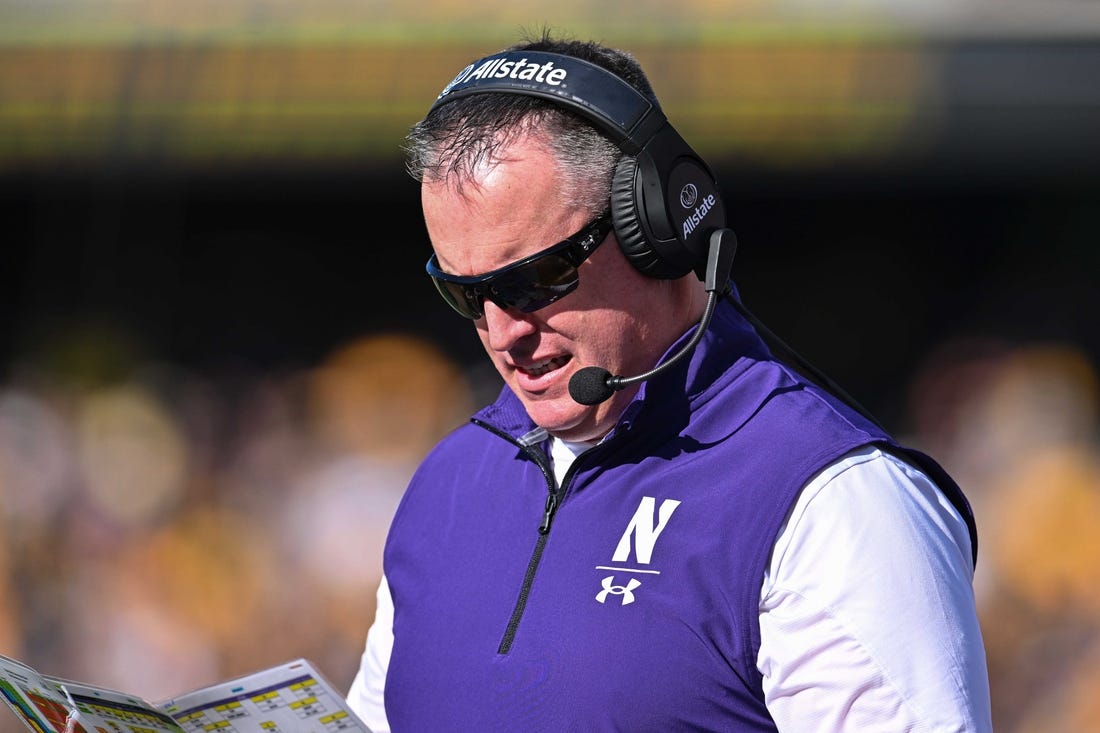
(546, 366)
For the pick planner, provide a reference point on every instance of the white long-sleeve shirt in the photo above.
(838, 654)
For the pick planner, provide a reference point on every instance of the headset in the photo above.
(665, 201)
(666, 205)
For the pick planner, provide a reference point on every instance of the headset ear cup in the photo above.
(624, 217)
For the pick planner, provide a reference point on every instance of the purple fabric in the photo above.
(668, 644)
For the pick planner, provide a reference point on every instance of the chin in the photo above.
(582, 424)
(559, 416)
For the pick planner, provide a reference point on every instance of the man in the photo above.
(721, 545)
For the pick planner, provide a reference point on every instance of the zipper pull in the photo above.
(548, 513)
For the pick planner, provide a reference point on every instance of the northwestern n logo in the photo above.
(643, 530)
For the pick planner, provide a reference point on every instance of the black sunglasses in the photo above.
(527, 285)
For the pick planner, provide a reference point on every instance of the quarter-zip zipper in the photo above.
(553, 501)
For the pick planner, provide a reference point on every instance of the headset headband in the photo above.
(664, 199)
(627, 116)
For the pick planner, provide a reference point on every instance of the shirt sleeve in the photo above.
(367, 693)
(867, 612)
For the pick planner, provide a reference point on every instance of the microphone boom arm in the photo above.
(716, 280)
(593, 385)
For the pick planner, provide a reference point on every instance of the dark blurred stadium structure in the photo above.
(216, 325)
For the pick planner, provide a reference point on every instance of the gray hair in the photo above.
(585, 158)
(458, 138)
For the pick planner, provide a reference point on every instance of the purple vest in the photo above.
(627, 599)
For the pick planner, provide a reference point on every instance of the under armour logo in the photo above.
(626, 591)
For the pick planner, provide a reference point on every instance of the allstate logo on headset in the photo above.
(501, 67)
(458, 79)
(689, 194)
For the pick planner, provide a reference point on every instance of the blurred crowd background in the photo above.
(220, 360)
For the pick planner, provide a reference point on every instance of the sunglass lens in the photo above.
(460, 297)
(535, 285)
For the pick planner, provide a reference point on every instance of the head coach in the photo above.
(660, 524)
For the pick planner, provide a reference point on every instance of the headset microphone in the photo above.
(593, 385)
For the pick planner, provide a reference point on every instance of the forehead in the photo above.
(510, 208)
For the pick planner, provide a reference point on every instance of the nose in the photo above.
(504, 327)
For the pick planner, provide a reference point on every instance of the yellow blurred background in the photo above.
(209, 405)
(211, 80)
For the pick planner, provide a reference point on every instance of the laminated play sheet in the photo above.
(288, 698)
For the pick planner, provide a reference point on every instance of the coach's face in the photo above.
(616, 318)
